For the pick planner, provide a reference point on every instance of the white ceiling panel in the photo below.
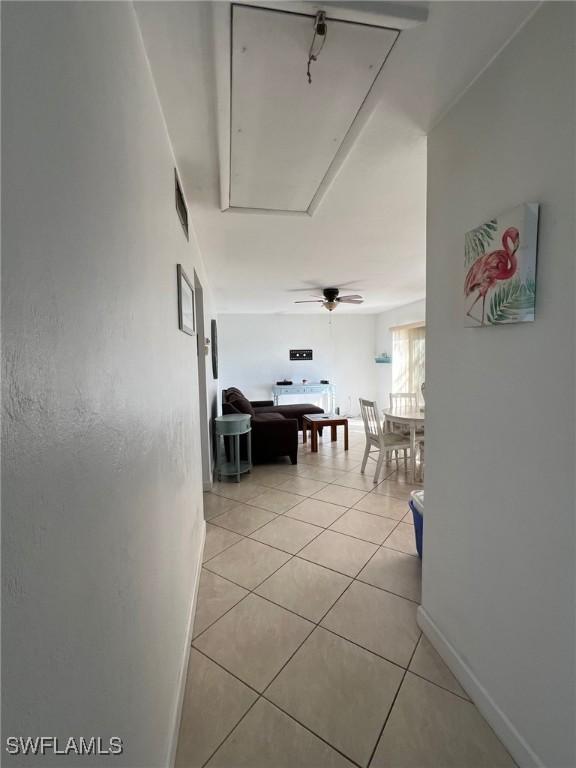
(286, 132)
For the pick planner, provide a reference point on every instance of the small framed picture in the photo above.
(186, 321)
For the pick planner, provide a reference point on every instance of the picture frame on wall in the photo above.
(214, 334)
(186, 314)
(500, 269)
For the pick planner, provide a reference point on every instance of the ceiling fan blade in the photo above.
(351, 297)
(310, 301)
(352, 301)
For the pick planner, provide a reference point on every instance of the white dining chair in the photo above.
(404, 401)
(378, 441)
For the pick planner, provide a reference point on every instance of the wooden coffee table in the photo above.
(314, 422)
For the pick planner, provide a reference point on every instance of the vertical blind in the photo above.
(408, 358)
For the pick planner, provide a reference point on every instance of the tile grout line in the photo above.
(316, 624)
(387, 718)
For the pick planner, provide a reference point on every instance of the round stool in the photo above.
(232, 426)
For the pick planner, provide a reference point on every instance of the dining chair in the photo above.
(378, 441)
(404, 401)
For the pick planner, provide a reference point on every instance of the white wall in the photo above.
(254, 353)
(499, 565)
(408, 313)
(102, 523)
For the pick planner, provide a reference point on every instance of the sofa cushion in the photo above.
(294, 411)
(269, 417)
(233, 392)
(241, 404)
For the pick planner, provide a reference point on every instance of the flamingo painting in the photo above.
(488, 269)
(502, 279)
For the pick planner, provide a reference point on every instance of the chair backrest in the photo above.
(403, 401)
(371, 419)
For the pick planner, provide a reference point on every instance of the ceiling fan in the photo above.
(331, 299)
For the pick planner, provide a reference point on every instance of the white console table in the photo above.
(310, 388)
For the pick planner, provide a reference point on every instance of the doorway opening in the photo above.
(202, 388)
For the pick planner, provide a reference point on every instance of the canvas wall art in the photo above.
(500, 269)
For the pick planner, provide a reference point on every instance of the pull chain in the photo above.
(320, 30)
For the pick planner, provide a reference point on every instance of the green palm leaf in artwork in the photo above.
(512, 302)
(477, 240)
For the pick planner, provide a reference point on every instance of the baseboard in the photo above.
(186, 653)
(514, 742)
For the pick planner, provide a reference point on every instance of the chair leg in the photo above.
(381, 457)
(365, 459)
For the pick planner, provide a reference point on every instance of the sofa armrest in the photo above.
(261, 403)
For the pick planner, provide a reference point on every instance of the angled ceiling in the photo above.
(368, 234)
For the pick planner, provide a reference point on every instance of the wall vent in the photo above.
(181, 204)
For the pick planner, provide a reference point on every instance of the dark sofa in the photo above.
(274, 427)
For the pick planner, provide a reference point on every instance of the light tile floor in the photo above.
(306, 651)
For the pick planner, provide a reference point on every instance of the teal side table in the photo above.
(232, 426)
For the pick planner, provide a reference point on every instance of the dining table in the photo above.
(410, 418)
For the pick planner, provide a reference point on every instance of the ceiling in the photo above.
(368, 233)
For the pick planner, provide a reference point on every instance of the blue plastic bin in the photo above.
(416, 504)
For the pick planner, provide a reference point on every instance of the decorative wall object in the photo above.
(186, 321)
(500, 268)
(214, 335)
(300, 354)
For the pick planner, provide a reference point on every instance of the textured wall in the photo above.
(499, 576)
(102, 520)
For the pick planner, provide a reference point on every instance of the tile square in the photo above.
(243, 518)
(276, 500)
(316, 512)
(427, 663)
(430, 727)
(339, 552)
(287, 534)
(365, 526)
(217, 540)
(376, 620)
(254, 640)
(247, 563)
(395, 572)
(337, 494)
(402, 538)
(339, 691)
(320, 472)
(305, 588)
(215, 597)
(214, 702)
(268, 475)
(268, 738)
(215, 505)
(400, 489)
(242, 491)
(358, 481)
(303, 486)
(385, 506)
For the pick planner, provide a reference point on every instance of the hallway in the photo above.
(306, 650)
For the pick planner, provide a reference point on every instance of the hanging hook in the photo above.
(320, 30)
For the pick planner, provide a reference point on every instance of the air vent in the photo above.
(181, 204)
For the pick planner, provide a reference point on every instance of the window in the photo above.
(408, 357)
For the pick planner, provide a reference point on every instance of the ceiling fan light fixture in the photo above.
(330, 305)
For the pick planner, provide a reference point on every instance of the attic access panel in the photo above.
(285, 132)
